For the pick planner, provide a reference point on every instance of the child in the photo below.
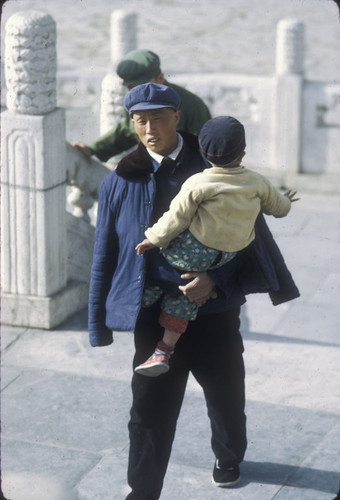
(208, 222)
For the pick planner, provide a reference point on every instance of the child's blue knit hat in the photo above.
(222, 140)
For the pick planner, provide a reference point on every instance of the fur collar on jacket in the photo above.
(139, 162)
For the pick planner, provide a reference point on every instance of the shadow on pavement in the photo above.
(267, 337)
(289, 475)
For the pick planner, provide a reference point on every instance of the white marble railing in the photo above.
(46, 255)
(292, 128)
(292, 124)
(84, 175)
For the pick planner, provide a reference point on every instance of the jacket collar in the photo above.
(139, 163)
(173, 155)
(225, 170)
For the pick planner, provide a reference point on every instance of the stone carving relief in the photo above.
(31, 63)
(112, 96)
(237, 100)
(328, 114)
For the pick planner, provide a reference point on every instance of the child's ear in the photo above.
(240, 158)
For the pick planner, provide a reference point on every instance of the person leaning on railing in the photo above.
(138, 67)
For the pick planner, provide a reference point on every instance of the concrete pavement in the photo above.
(65, 405)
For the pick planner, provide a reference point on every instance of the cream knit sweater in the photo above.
(219, 206)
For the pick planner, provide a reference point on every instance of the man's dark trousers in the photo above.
(211, 349)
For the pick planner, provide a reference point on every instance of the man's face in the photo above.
(156, 129)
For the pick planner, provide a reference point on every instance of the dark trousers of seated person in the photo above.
(211, 348)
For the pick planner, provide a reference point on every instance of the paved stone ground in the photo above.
(65, 405)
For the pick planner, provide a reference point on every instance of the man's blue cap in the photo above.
(151, 96)
(222, 140)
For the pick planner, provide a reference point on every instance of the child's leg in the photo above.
(174, 326)
(150, 295)
(173, 329)
(158, 363)
(170, 337)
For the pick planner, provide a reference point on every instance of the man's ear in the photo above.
(177, 116)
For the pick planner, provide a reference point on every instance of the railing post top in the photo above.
(123, 14)
(290, 47)
(124, 33)
(24, 21)
(31, 62)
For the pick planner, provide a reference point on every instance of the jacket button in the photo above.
(147, 202)
(143, 226)
(139, 278)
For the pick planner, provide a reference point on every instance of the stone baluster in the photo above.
(123, 40)
(35, 284)
(288, 96)
(81, 202)
(79, 197)
(84, 175)
(290, 47)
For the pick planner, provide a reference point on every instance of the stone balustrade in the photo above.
(39, 289)
(292, 124)
(84, 175)
(292, 130)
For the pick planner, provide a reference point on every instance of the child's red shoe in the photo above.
(154, 366)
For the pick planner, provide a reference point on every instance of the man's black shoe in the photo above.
(225, 477)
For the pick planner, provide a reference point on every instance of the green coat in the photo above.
(194, 113)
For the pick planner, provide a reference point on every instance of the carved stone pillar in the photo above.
(111, 102)
(123, 34)
(35, 284)
(123, 40)
(288, 97)
(33, 204)
(31, 63)
(290, 47)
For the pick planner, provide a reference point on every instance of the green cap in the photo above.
(138, 66)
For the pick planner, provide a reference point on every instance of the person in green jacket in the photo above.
(137, 67)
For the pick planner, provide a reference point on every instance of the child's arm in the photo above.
(179, 216)
(273, 202)
(143, 246)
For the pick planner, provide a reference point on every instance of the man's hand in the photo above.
(82, 148)
(143, 246)
(200, 289)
